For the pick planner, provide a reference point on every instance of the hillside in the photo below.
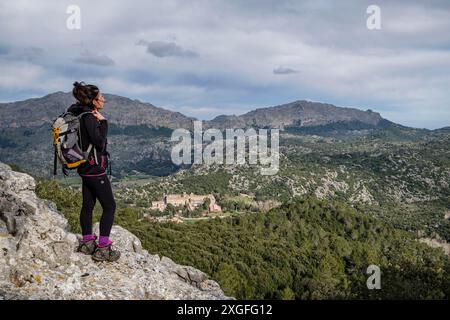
(305, 249)
(402, 178)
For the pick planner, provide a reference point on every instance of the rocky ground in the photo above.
(38, 258)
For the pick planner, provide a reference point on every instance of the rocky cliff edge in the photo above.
(38, 258)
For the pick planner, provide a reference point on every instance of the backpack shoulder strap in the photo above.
(83, 113)
(79, 131)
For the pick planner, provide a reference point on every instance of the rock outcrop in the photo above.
(38, 258)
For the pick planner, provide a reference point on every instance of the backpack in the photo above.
(67, 142)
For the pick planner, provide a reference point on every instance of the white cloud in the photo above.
(163, 49)
(284, 70)
(88, 57)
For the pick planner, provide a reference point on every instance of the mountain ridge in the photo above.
(34, 112)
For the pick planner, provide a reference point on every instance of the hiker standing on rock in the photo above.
(95, 183)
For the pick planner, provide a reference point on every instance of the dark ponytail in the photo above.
(85, 93)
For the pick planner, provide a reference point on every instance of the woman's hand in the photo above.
(98, 115)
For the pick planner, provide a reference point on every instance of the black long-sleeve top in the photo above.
(92, 131)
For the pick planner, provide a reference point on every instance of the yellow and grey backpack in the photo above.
(67, 142)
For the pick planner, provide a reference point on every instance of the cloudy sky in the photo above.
(205, 58)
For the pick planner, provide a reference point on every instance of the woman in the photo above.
(95, 183)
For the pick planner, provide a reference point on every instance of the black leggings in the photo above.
(94, 188)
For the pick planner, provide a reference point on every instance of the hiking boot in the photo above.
(106, 254)
(87, 247)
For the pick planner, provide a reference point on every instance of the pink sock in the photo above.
(104, 242)
(89, 237)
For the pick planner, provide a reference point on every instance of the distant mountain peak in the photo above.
(299, 113)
